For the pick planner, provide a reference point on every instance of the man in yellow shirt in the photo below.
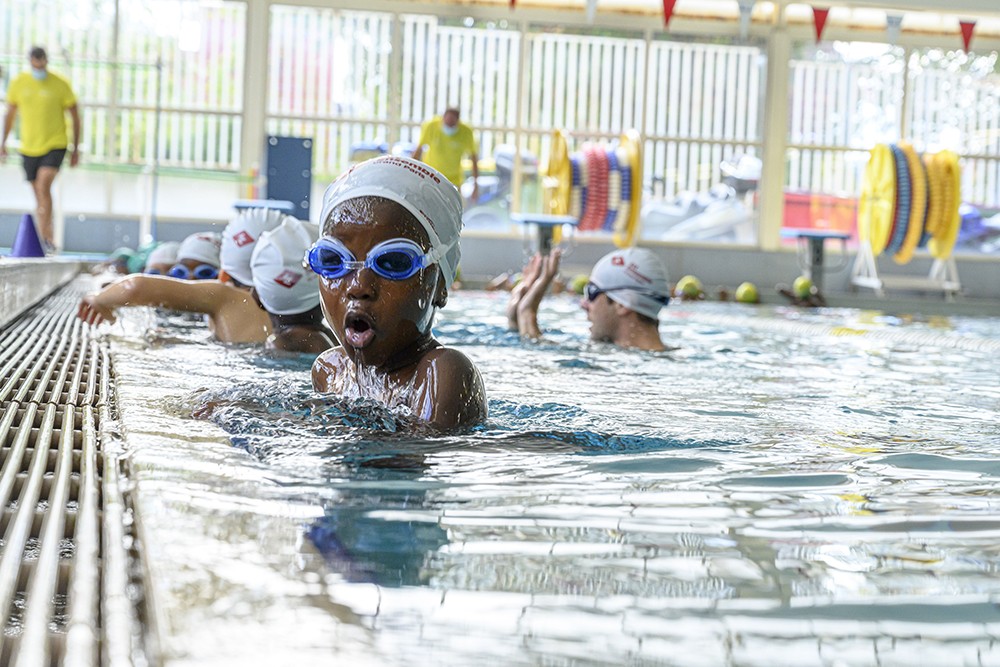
(447, 140)
(44, 97)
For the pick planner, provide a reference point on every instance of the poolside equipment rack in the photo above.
(908, 202)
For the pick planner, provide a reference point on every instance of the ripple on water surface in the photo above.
(758, 496)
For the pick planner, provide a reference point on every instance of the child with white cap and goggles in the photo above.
(162, 258)
(287, 291)
(623, 298)
(239, 240)
(389, 252)
(197, 257)
(232, 314)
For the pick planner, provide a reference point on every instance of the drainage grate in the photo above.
(54, 573)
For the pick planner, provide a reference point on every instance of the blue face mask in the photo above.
(39, 74)
(450, 131)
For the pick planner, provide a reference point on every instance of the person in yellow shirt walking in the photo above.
(43, 97)
(447, 140)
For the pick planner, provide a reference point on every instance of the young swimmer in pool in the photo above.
(287, 291)
(233, 315)
(162, 259)
(623, 298)
(389, 251)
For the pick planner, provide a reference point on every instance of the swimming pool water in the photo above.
(786, 488)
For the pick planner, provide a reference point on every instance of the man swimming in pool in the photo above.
(389, 251)
(623, 298)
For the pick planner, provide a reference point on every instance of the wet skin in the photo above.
(386, 350)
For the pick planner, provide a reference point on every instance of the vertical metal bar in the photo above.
(117, 611)
(12, 462)
(398, 95)
(520, 103)
(19, 529)
(34, 649)
(84, 594)
(17, 378)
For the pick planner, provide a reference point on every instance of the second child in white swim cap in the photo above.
(288, 291)
(388, 252)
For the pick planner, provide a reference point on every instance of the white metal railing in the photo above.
(163, 82)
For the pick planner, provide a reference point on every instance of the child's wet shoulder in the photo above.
(329, 366)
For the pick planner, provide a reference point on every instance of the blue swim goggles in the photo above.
(395, 259)
(201, 272)
(592, 291)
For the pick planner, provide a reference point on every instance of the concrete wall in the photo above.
(25, 282)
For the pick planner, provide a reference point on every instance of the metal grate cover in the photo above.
(54, 558)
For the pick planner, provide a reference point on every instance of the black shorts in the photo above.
(52, 159)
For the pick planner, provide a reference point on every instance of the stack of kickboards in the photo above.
(910, 201)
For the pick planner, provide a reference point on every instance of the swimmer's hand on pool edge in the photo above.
(93, 312)
(522, 307)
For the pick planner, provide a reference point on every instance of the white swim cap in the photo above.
(283, 286)
(634, 277)
(165, 253)
(240, 237)
(417, 187)
(201, 247)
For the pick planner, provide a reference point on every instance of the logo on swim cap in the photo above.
(242, 238)
(288, 278)
(633, 270)
(618, 260)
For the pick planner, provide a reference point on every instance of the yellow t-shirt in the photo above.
(41, 107)
(445, 152)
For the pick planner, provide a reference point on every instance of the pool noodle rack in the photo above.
(578, 186)
(942, 277)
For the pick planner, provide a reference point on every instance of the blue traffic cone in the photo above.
(27, 243)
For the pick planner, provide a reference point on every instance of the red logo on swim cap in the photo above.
(617, 260)
(288, 278)
(242, 238)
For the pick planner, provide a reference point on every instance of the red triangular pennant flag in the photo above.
(967, 27)
(819, 19)
(668, 10)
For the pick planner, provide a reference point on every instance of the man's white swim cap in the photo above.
(165, 253)
(417, 187)
(283, 286)
(240, 237)
(634, 277)
(201, 247)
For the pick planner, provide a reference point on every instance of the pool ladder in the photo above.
(65, 555)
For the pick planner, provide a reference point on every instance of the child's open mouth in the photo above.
(358, 329)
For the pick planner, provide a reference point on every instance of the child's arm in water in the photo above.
(537, 277)
(160, 291)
